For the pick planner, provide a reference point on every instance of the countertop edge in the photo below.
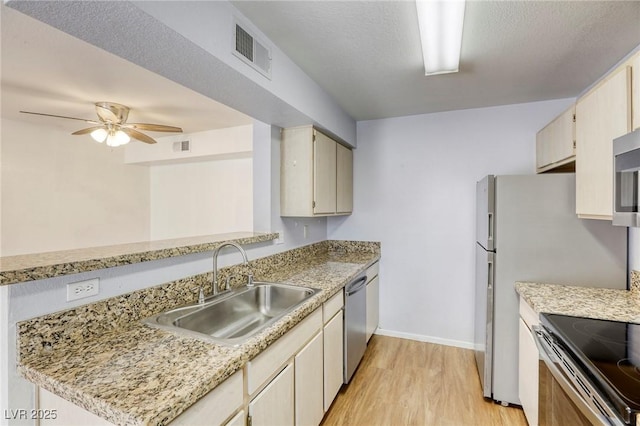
(588, 302)
(68, 267)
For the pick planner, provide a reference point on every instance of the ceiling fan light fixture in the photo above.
(441, 24)
(99, 135)
(117, 138)
(112, 127)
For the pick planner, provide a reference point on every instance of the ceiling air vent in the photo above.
(182, 146)
(251, 51)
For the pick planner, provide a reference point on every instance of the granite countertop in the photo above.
(38, 266)
(147, 376)
(598, 303)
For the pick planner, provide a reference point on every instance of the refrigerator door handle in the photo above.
(490, 230)
(490, 261)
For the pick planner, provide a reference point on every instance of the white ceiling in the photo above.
(367, 54)
(46, 70)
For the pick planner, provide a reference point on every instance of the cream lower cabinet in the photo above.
(309, 397)
(333, 347)
(528, 364)
(274, 405)
(373, 299)
(238, 419)
(602, 115)
(289, 383)
(298, 351)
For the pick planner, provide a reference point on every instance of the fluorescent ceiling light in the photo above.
(440, 25)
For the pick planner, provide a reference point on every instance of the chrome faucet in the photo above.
(215, 266)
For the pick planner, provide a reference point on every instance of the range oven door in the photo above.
(566, 396)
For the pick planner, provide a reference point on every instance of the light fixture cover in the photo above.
(99, 135)
(441, 24)
(117, 138)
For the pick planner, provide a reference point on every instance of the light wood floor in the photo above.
(404, 382)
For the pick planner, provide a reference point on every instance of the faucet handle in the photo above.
(200, 291)
(250, 279)
(228, 283)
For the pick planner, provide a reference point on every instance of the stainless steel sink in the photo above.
(233, 317)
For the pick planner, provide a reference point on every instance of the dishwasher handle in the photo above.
(356, 286)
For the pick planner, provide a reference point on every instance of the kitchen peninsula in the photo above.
(100, 357)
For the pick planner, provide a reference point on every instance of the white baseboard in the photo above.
(422, 338)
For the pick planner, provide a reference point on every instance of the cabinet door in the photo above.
(333, 359)
(217, 405)
(555, 144)
(296, 172)
(601, 116)
(528, 374)
(543, 147)
(564, 136)
(309, 384)
(373, 300)
(237, 420)
(274, 405)
(324, 173)
(635, 90)
(344, 179)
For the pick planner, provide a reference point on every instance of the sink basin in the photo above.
(233, 317)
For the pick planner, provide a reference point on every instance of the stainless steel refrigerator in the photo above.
(527, 230)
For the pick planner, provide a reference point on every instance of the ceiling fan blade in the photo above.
(153, 127)
(60, 116)
(137, 135)
(107, 115)
(87, 130)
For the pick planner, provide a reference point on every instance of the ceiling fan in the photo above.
(112, 126)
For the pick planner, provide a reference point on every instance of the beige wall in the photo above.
(62, 192)
(208, 197)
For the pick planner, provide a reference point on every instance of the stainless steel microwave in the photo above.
(626, 183)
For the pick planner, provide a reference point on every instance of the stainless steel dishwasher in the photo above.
(355, 324)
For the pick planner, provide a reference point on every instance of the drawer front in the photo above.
(332, 306)
(373, 271)
(216, 406)
(265, 365)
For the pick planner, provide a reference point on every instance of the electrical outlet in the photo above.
(280, 239)
(305, 231)
(83, 289)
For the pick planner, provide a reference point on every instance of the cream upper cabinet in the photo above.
(602, 115)
(555, 143)
(635, 90)
(316, 174)
(324, 174)
(344, 179)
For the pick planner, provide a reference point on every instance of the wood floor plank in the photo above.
(404, 382)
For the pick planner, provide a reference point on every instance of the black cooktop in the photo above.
(609, 351)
